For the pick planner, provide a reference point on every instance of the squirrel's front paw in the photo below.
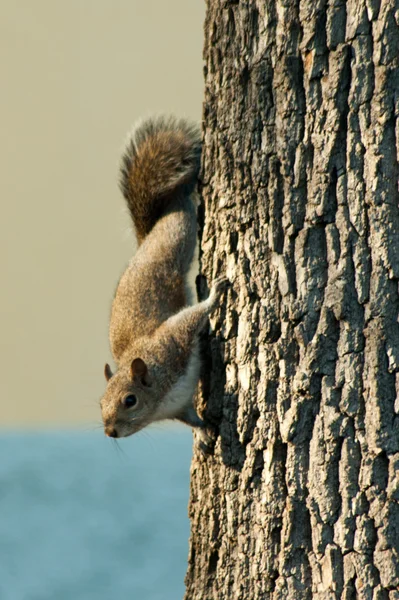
(205, 441)
(218, 287)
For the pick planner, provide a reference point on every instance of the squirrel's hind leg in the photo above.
(188, 322)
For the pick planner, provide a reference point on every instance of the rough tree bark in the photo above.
(300, 496)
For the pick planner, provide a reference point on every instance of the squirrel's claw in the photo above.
(218, 287)
(205, 442)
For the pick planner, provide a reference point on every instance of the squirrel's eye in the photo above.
(129, 401)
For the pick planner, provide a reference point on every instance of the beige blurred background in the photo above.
(74, 77)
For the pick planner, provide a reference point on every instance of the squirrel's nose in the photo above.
(111, 432)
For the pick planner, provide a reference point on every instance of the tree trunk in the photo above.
(300, 496)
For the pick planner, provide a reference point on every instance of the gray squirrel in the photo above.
(153, 332)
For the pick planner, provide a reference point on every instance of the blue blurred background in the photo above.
(85, 519)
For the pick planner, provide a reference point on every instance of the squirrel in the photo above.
(153, 331)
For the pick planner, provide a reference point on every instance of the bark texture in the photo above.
(300, 497)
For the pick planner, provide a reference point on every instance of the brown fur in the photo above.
(162, 156)
(153, 336)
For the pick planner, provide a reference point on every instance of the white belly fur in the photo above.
(181, 394)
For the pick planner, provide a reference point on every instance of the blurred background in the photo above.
(80, 517)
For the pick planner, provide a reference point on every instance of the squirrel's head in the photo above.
(128, 403)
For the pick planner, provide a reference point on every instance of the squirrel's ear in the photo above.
(138, 370)
(107, 372)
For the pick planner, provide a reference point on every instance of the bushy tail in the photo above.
(162, 156)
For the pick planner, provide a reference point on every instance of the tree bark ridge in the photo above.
(300, 186)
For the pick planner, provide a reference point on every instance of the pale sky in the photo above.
(74, 77)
